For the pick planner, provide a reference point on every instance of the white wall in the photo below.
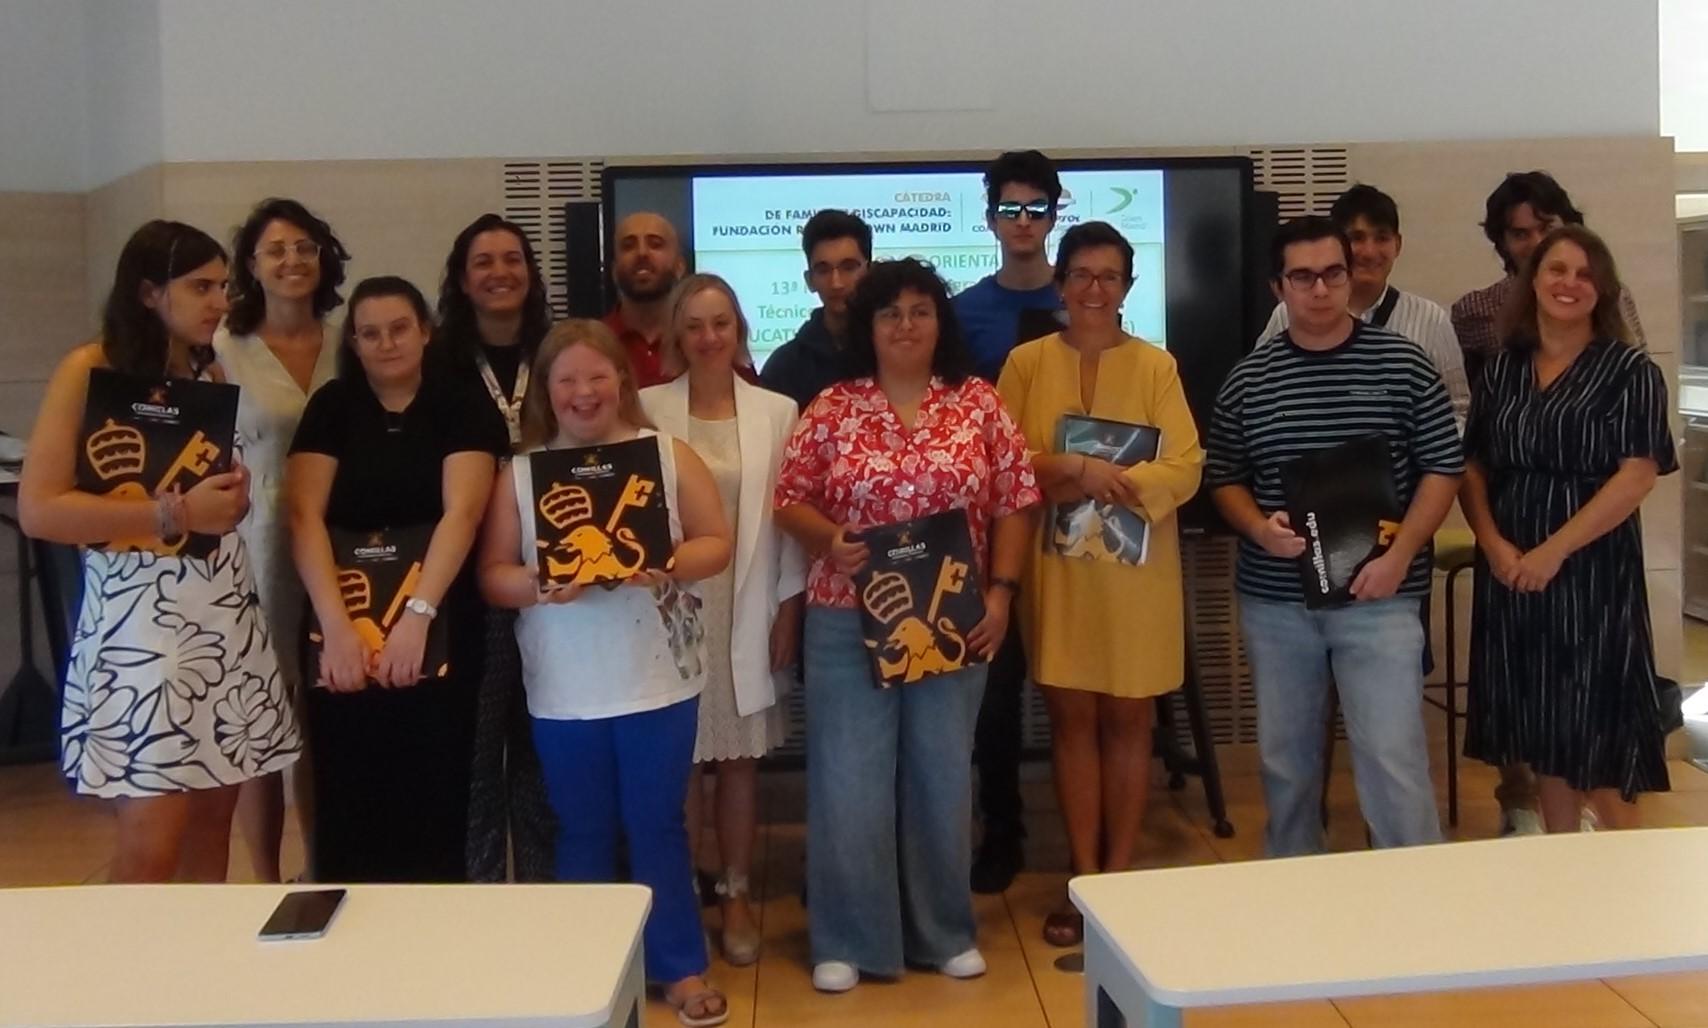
(43, 107)
(317, 79)
(122, 57)
(1684, 73)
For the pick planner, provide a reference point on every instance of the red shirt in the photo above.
(645, 356)
(852, 459)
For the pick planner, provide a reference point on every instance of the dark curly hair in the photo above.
(1087, 235)
(248, 302)
(882, 285)
(133, 338)
(457, 323)
(1538, 189)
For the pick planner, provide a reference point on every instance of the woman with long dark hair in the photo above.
(492, 315)
(273, 344)
(172, 697)
(393, 443)
(1567, 434)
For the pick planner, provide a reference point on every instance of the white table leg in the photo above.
(629, 1011)
(1112, 998)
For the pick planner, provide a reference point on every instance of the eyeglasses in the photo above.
(1306, 279)
(307, 249)
(1081, 278)
(849, 267)
(1010, 210)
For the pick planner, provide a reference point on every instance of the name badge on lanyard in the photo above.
(510, 407)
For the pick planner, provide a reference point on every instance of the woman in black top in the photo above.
(392, 443)
(1567, 434)
(492, 316)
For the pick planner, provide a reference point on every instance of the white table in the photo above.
(492, 956)
(1510, 911)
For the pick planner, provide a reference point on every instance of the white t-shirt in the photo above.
(609, 652)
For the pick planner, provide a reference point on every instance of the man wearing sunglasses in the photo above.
(838, 248)
(1022, 190)
(1327, 379)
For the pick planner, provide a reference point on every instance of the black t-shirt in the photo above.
(505, 362)
(390, 466)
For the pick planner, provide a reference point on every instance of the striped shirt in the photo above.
(1282, 402)
(1425, 323)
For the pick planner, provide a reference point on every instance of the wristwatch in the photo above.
(417, 605)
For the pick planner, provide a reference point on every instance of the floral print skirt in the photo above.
(173, 684)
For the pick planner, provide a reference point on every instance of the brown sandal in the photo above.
(1064, 928)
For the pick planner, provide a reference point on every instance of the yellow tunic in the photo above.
(1091, 624)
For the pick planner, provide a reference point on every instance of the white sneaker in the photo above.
(967, 965)
(1521, 822)
(834, 976)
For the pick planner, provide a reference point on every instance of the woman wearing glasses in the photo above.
(284, 282)
(1097, 665)
(888, 770)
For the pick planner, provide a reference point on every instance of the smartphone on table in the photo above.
(304, 914)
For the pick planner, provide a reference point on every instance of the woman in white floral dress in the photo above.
(172, 697)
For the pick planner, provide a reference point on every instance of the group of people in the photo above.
(572, 726)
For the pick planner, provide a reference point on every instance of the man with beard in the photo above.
(648, 262)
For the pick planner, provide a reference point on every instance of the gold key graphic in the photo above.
(196, 458)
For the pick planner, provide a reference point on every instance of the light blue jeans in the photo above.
(1372, 653)
(889, 806)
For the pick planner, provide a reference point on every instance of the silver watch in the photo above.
(417, 605)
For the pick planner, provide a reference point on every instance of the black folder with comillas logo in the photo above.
(142, 437)
(377, 574)
(919, 597)
(1343, 502)
(600, 514)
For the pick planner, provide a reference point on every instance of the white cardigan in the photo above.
(769, 566)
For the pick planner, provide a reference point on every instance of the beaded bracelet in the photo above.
(169, 515)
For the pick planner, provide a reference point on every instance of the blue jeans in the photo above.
(1371, 652)
(889, 806)
(630, 774)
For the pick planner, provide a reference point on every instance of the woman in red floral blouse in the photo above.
(888, 770)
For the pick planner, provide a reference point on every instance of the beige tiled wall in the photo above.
(1625, 188)
(44, 297)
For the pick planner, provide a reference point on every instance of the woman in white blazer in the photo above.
(752, 611)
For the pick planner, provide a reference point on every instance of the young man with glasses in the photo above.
(1526, 206)
(1371, 220)
(1022, 190)
(838, 248)
(1327, 379)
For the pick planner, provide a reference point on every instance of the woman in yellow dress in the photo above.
(1104, 630)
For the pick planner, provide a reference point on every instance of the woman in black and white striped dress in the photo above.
(1567, 434)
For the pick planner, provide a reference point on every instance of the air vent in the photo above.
(534, 195)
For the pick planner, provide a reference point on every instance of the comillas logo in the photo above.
(593, 470)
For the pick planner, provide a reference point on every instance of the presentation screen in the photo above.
(1184, 218)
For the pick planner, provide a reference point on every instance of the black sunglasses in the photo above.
(1010, 210)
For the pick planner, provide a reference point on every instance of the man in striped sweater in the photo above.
(1331, 378)
(1371, 220)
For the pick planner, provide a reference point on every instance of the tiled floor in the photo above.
(48, 837)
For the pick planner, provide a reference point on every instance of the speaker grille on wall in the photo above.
(535, 195)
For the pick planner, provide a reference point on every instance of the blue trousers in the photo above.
(1370, 650)
(629, 774)
(889, 806)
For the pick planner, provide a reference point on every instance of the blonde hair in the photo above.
(539, 421)
(690, 287)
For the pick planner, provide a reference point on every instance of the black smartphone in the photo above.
(302, 915)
